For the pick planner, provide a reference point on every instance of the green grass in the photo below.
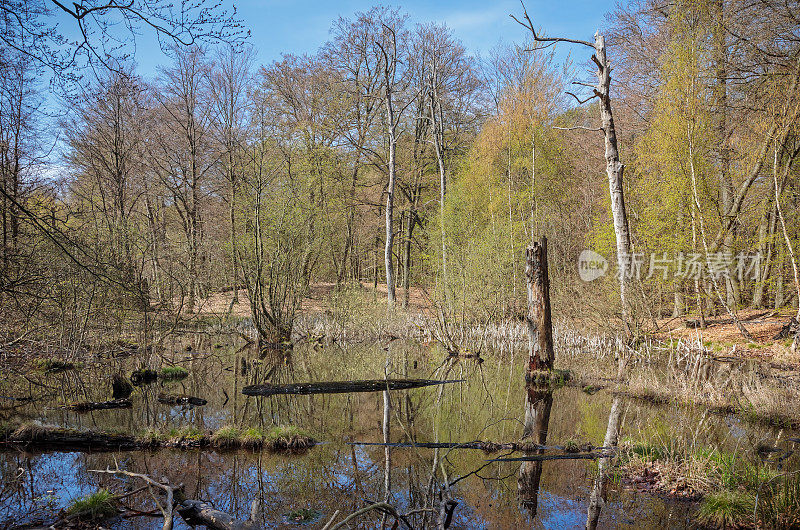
(276, 439)
(303, 515)
(648, 452)
(153, 437)
(98, 505)
(780, 502)
(174, 372)
(726, 508)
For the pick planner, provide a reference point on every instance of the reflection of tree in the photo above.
(538, 402)
(600, 490)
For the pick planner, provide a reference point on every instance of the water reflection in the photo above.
(538, 403)
(600, 488)
(490, 405)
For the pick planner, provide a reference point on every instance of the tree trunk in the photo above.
(766, 233)
(390, 226)
(232, 213)
(197, 513)
(678, 305)
(720, 126)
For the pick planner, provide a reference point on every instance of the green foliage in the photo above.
(288, 438)
(186, 434)
(303, 515)
(647, 452)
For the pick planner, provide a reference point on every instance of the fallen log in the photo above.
(489, 447)
(52, 438)
(341, 387)
(788, 330)
(197, 513)
(86, 406)
(181, 399)
(48, 437)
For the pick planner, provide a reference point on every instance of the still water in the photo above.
(490, 404)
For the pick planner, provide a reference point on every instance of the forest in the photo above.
(567, 283)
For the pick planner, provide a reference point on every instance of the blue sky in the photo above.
(302, 26)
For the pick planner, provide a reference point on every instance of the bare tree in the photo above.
(389, 62)
(107, 30)
(450, 88)
(106, 153)
(183, 157)
(350, 56)
(614, 168)
(228, 84)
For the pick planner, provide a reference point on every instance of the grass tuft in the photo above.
(252, 438)
(725, 509)
(98, 505)
(781, 502)
(173, 372)
(288, 438)
(225, 438)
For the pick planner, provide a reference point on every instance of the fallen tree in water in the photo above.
(489, 447)
(52, 438)
(46, 436)
(341, 387)
(197, 513)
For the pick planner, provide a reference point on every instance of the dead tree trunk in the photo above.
(540, 327)
(197, 513)
(614, 168)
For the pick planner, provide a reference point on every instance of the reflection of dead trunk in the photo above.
(387, 452)
(538, 403)
(540, 328)
(600, 490)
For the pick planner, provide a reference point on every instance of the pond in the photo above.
(490, 402)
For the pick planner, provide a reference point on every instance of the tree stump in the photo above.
(540, 327)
